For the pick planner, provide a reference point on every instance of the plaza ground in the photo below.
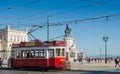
(110, 66)
(93, 66)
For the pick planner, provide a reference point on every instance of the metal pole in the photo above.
(48, 28)
(105, 39)
(100, 53)
(105, 51)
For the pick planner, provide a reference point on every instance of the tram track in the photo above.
(67, 71)
(92, 71)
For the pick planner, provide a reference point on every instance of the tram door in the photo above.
(51, 57)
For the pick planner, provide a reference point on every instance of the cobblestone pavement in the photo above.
(49, 72)
(110, 66)
(85, 68)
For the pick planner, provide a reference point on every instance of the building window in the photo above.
(17, 38)
(14, 38)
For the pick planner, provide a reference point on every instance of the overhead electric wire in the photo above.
(57, 37)
(56, 24)
(47, 10)
(8, 18)
(87, 19)
(11, 7)
(81, 20)
(71, 10)
(95, 3)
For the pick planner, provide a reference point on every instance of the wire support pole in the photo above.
(48, 27)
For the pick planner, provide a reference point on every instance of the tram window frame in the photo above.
(28, 53)
(51, 53)
(23, 54)
(13, 53)
(32, 54)
(36, 54)
(42, 53)
(58, 52)
(18, 54)
(63, 52)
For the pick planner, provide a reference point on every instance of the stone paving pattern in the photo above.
(110, 66)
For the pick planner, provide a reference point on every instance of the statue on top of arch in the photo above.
(67, 31)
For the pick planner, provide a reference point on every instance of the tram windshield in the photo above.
(51, 53)
(56, 52)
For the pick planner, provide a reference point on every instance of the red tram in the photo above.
(39, 55)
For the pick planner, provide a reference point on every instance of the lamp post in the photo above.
(105, 39)
(100, 54)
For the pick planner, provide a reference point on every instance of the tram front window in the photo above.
(51, 53)
(57, 52)
(63, 52)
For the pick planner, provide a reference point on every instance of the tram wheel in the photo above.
(44, 69)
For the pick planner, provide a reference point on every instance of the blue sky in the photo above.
(87, 34)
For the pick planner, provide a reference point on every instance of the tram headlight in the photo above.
(61, 59)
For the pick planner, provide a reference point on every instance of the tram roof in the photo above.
(39, 44)
(38, 48)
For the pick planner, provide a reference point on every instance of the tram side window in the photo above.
(57, 52)
(23, 52)
(33, 54)
(18, 54)
(36, 54)
(12, 53)
(42, 53)
(30, 54)
(63, 52)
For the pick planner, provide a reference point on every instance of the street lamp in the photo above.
(105, 39)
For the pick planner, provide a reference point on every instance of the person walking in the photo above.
(0, 62)
(117, 62)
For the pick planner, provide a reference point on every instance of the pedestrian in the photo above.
(0, 62)
(117, 62)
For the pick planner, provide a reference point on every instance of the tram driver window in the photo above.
(51, 53)
(63, 52)
(57, 52)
